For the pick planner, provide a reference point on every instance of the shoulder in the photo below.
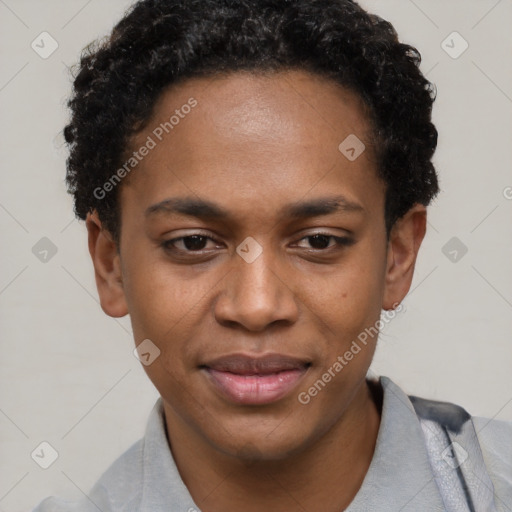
(114, 491)
(484, 439)
(495, 435)
(495, 439)
(479, 449)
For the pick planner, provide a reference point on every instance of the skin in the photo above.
(252, 144)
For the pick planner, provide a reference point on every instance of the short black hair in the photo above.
(162, 42)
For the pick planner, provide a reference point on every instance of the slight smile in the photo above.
(255, 380)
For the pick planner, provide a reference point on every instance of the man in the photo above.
(254, 177)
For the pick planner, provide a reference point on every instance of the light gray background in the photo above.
(68, 375)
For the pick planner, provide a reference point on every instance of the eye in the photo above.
(197, 243)
(320, 241)
(189, 243)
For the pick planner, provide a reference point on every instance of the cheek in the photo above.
(158, 294)
(164, 310)
(350, 306)
(349, 298)
(168, 304)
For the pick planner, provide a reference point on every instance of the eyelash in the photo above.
(340, 242)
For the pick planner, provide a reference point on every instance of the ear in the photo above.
(107, 267)
(403, 246)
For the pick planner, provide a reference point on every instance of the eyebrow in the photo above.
(207, 210)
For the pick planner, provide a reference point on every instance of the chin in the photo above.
(262, 447)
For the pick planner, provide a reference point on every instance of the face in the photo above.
(253, 254)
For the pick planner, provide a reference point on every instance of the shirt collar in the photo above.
(400, 477)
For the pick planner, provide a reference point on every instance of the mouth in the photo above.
(250, 380)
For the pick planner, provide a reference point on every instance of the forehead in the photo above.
(250, 134)
(263, 103)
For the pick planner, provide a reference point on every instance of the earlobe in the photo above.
(403, 246)
(107, 267)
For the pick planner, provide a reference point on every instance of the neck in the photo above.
(326, 476)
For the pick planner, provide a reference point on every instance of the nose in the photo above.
(256, 295)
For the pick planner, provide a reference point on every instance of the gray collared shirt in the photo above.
(401, 477)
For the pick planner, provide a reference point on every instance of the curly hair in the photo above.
(160, 42)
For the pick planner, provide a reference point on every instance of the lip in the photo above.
(255, 380)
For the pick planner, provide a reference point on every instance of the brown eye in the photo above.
(190, 243)
(194, 242)
(320, 241)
